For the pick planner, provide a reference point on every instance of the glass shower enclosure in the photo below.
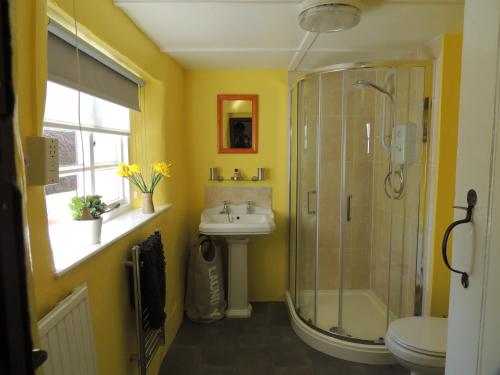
(357, 166)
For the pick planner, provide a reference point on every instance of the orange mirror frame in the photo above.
(231, 133)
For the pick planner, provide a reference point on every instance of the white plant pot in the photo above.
(88, 232)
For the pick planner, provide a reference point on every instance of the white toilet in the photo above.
(419, 343)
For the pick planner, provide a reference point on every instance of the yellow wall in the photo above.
(266, 255)
(180, 127)
(163, 136)
(451, 56)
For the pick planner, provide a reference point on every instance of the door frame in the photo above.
(15, 328)
(475, 162)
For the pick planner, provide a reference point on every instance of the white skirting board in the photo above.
(66, 334)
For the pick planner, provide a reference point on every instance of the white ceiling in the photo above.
(238, 34)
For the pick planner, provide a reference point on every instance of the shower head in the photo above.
(361, 84)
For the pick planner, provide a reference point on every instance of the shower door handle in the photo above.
(349, 200)
(309, 210)
(471, 203)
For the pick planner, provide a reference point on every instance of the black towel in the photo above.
(153, 288)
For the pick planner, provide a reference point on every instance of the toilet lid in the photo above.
(421, 334)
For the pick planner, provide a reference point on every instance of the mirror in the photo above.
(237, 124)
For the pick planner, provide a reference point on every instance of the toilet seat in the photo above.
(419, 340)
(417, 350)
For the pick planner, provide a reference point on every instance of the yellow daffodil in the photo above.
(133, 173)
(156, 167)
(123, 170)
(134, 168)
(162, 168)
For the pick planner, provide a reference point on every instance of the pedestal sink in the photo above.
(236, 226)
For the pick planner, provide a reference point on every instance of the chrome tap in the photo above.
(249, 207)
(226, 210)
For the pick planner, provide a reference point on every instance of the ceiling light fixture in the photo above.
(329, 16)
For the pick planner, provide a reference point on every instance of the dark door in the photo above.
(16, 353)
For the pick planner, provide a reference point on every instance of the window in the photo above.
(105, 132)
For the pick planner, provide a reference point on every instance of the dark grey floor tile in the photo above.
(253, 337)
(289, 356)
(181, 360)
(325, 364)
(293, 370)
(360, 369)
(318, 358)
(254, 362)
(263, 344)
(332, 370)
(226, 324)
(337, 367)
(220, 338)
(261, 316)
(278, 314)
(260, 308)
(217, 371)
(219, 357)
(399, 370)
(284, 336)
(190, 334)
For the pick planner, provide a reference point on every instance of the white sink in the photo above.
(237, 226)
(237, 223)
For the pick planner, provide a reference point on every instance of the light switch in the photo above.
(43, 161)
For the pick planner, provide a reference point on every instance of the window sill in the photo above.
(67, 256)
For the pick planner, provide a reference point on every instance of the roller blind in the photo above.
(95, 114)
(99, 75)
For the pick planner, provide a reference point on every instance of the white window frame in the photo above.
(64, 171)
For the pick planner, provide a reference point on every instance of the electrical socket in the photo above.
(43, 161)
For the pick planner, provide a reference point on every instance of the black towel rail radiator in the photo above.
(148, 339)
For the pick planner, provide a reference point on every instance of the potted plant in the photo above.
(134, 174)
(86, 212)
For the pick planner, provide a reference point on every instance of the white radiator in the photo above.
(66, 334)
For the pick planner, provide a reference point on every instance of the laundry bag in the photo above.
(205, 297)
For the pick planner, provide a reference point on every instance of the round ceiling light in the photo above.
(329, 16)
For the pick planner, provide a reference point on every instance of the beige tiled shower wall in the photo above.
(412, 113)
(329, 187)
(381, 205)
(361, 114)
(367, 240)
(360, 110)
(395, 241)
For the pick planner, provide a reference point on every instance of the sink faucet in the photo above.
(249, 207)
(226, 210)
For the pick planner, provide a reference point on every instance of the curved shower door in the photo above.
(357, 225)
(308, 116)
(366, 211)
(404, 285)
(329, 182)
(347, 226)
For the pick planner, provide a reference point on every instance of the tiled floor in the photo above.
(264, 344)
